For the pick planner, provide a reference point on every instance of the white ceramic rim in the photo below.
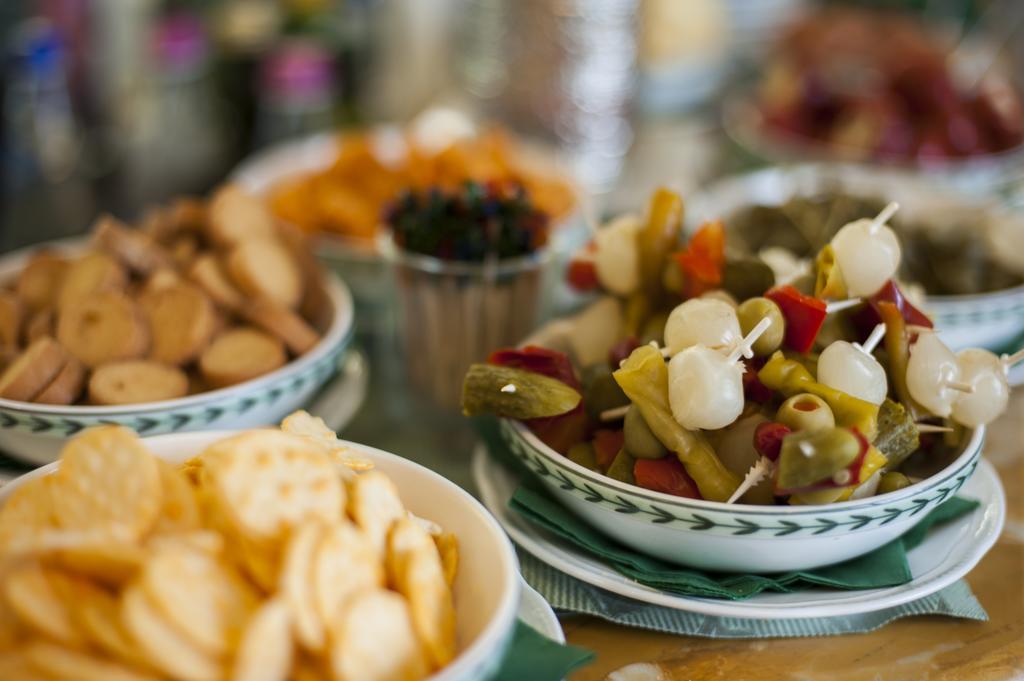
(536, 612)
(970, 448)
(488, 642)
(993, 516)
(340, 329)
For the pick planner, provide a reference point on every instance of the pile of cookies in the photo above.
(203, 295)
(273, 555)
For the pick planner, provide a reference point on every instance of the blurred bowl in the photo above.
(486, 588)
(360, 261)
(992, 320)
(36, 432)
(998, 175)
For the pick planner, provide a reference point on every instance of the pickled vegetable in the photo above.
(828, 283)
(867, 255)
(702, 321)
(870, 463)
(644, 379)
(848, 368)
(583, 454)
(640, 441)
(616, 256)
(654, 329)
(931, 369)
(667, 476)
(805, 411)
(790, 377)
(607, 444)
(705, 388)
(804, 316)
(622, 467)
(658, 238)
(892, 481)
(747, 277)
(985, 373)
(898, 436)
(600, 390)
(818, 458)
(768, 437)
(897, 351)
(515, 393)
(703, 259)
(752, 311)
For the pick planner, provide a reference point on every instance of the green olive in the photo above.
(751, 312)
(600, 391)
(640, 441)
(892, 481)
(813, 458)
(746, 277)
(805, 411)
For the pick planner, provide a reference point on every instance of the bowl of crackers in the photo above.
(266, 554)
(206, 314)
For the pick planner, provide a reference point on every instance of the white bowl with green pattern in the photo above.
(36, 432)
(736, 537)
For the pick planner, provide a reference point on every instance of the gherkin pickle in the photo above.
(515, 393)
(622, 467)
(751, 312)
(640, 441)
(813, 457)
(807, 412)
(892, 481)
(601, 391)
(583, 454)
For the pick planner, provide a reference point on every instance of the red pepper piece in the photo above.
(582, 275)
(563, 431)
(702, 260)
(538, 360)
(868, 316)
(753, 389)
(804, 316)
(665, 475)
(768, 438)
(607, 443)
(621, 350)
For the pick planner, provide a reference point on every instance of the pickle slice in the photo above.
(515, 393)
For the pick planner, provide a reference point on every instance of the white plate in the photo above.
(536, 612)
(947, 554)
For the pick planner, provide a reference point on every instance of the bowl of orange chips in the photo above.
(262, 554)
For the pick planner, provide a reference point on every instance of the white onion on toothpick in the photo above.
(985, 373)
(933, 375)
(867, 253)
(852, 369)
(702, 321)
(617, 256)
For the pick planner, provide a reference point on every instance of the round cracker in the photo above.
(40, 281)
(234, 216)
(200, 596)
(278, 320)
(66, 386)
(110, 484)
(164, 646)
(182, 321)
(344, 564)
(373, 640)
(267, 482)
(12, 317)
(97, 614)
(34, 369)
(135, 249)
(37, 596)
(27, 514)
(206, 272)
(59, 662)
(374, 504)
(240, 355)
(91, 274)
(263, 267)
(297, 586)
(105, 327)
(416, 572)
(135, 382)
(180, 509)
(266, 650)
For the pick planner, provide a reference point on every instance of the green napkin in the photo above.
(537, 658)
(886, 566)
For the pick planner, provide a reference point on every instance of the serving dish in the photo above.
(732, 537)
(991, 320)
(36, 432)
(947, 553)
(487, 586)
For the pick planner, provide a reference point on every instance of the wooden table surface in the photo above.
(915, 648)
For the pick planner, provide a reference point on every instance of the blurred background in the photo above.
(112, 105)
